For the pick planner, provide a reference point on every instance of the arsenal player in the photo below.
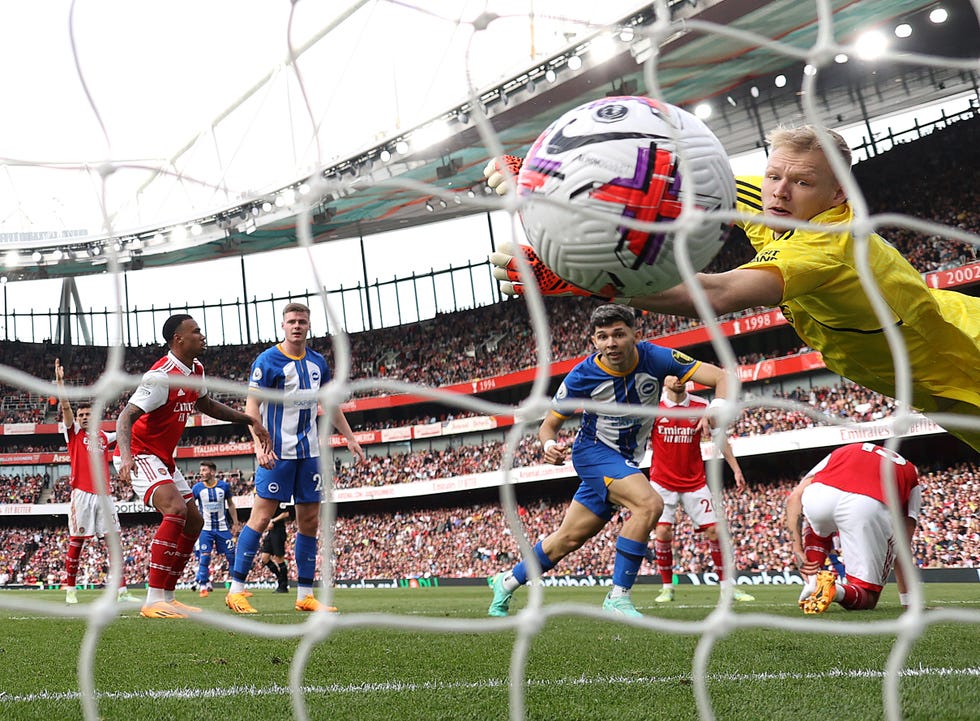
(845, 494)
(86, 517)
(677, 474)
(148, 430)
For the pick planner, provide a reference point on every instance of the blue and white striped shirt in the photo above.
(213, 504)
(292, 423)
(625, 433)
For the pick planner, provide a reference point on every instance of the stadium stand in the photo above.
(452, 536)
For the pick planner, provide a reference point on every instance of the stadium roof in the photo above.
(731, 63)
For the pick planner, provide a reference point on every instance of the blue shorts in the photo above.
(598, 465)
(295, 480)
(221, 541)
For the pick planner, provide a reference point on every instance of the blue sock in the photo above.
(245, 550)
(520, 570)
(629, 556)
(306, 551)
(204, 568)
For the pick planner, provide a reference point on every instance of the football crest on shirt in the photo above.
(315, 375)
(647, 388)
(682, 358)
(256, 373)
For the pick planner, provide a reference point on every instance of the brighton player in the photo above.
(217, 506)
(845, 494)
(677, 474)
(148, 430)
(86, 518)
(289, 471)
(607, 450)
(812, 276)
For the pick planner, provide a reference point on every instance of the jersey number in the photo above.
(884, 453)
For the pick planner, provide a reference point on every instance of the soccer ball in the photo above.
(622, 157)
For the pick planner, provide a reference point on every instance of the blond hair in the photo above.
(805, 139)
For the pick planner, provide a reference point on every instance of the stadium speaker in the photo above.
(449, 168)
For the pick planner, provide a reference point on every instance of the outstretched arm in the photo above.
(67, 415)
(216, 409)
(727, 292)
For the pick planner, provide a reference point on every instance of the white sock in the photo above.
(153, 595)
(168, 595)
(236, 587)
(618, 591)
(509, 582)
(808, 588)
(303, 591)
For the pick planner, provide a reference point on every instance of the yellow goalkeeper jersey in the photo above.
(828, 307)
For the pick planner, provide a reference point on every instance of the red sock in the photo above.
(164, 549)
(815, 547)
(185, 547)
(857, 598)
(75, 544)
(714, 547)
(665, 560)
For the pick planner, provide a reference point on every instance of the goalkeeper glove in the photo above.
(501, 173)
(506, 269)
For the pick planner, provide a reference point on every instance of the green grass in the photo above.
(578, 667)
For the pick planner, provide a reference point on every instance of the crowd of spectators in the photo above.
(22, 489)
(475, 540)
(845, 401)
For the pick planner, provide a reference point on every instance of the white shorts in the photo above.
(86, 517)
(698, 505)
(867, 538)
(149, 473)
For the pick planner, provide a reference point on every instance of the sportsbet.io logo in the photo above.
(611, 113)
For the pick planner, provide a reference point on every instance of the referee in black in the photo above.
(273, 548)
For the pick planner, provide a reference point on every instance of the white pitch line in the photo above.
(276, 690)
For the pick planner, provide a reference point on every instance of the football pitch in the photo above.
(370, 663)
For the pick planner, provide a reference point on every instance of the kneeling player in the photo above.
(845, 494)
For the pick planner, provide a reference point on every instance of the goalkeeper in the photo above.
(812, 276)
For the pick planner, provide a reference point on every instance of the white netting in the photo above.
(530, 622)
